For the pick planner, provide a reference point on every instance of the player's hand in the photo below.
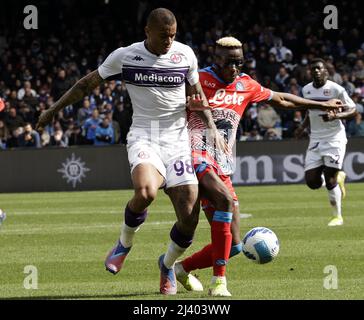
(333, 104)
(219, 141)
(329, 116)
(45, 118)
(195, 103)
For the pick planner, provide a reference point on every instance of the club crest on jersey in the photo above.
(327, 92)
(176, 58)
(143, 155)
(239, 86)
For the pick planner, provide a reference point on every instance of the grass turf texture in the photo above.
(67, 236)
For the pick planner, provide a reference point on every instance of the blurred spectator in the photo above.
(356, 126)
(272, 134)
(4, 134)
(123, 115)
(267, 83)
(13, 120)
(26, 88)
(333, 75)
(358, 101)
(107, 98)
(13, 141)
(45, 138)
(29, 138)
(279, 51)
(282, 78)
(96, 98)
(348, 86)
(104, 133)
(115, 126)
(271, 68)
(290, 125)
(120, 93)
(13, 99)
(254, 135)
(85, 112)
(267, 118)
(358, 70)
(288, 62)
(63, 120)
(60, 85)
(74, 135)
(90, 126)
(58, 139)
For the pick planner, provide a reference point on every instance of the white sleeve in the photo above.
(192, 75)
(113, 64)
(344, 97)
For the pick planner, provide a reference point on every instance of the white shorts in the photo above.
(325, 153)
(169, 153)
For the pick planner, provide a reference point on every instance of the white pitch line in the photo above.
(153, 212)
(245, 215)
(47, 229)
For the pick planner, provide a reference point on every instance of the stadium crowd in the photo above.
(280, 39)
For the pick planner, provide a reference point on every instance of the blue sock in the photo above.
(236, 249)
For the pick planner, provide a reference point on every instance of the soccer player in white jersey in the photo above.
(158, 72)
(326, 150)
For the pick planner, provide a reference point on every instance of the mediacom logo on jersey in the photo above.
(160, 78)
(221, 97)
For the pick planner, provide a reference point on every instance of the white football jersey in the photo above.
(332, 129)
(156, 84)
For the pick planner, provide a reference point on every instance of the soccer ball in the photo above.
(260, 245)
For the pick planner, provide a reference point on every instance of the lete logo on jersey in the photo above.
(221, 97)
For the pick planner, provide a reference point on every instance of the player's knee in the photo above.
(186, 202)
(313, 183)
(146, 194)
(331, 182)
(224, 202)
(189, 220)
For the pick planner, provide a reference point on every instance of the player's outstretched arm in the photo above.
(291, 101)
(82, 88)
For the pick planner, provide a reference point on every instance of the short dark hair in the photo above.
(161, 16)
(318, 60)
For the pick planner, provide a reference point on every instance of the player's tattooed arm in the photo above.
(197, 102)
(291, 101)
(82, 88)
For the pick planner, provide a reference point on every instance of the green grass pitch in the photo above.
(66, 236)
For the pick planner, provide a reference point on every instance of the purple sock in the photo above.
(180, 239)
(133, 219)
